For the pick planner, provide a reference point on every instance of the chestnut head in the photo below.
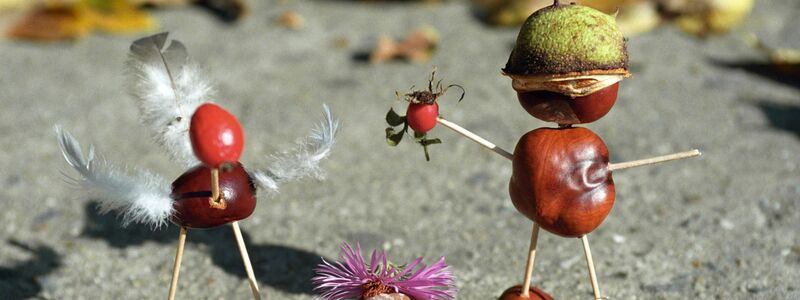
(514, 293)
(192, 191)
(562, 109)
(561, 180)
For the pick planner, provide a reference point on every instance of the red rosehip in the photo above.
(192, 191)
(216, 135)
(561, 180)
(554, 107)
(422, 116)
(514, 292)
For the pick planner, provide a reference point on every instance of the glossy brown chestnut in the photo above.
(562, 109)
(192, 192)
(561, 180)
(514, 293)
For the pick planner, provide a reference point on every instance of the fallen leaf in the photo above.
(638, 18)
(49, 23)
(417, 47)
(291, 20)
(708, 17)
(118, 16)
(73, 20)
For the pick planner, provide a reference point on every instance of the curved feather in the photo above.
(169, 87)
(143, 197)
(303, 161)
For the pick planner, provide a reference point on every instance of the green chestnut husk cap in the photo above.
(567, 38)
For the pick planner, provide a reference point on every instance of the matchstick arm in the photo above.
(611, 167)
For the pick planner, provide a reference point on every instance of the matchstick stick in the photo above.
(468, 134)
(590, 262)
(526, 283)
(176, 268)
(653, 160)
(611, 167)
(246, 259)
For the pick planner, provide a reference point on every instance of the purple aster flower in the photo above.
(352, 278)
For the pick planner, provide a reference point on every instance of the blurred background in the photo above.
(720, 76)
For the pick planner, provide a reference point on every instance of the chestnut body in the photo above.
(562, 109)
(192, 191)
(561, 180)
(514, 292)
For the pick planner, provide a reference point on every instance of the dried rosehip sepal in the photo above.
(217, 137)
(561, 180)
(192, 191)
(514, 293)
(559, 108)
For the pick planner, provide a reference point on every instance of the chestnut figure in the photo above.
(514, 293)
(561, 180)
(191, 192)
(562, 109)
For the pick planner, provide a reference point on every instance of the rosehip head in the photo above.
(217, 137)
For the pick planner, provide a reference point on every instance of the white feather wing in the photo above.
(142, 197)
(169, 87)
(303, 161)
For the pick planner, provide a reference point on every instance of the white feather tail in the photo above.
(169, 87)
(141, 198)
(304, 160)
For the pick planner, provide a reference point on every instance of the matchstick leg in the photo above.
(176, 269)
(526, 283)
(590, 263)
(246, 260)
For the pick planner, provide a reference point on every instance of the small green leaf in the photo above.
(394, 119)
(393, 137)
(430, 142)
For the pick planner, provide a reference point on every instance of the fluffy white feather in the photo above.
(304, 160)
(169, 87)
(142, 197)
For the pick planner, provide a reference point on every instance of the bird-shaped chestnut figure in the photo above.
(173, 98)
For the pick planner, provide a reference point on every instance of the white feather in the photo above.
(142, 198)
(304, 160)
(169, 87)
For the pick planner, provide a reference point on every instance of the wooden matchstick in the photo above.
(611, 167)
(176, 268)
(246, 259)
(475, 137)
(214, 184)
(653, 160)
(526, 283)
(590, 262)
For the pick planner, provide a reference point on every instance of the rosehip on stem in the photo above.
(421, 117)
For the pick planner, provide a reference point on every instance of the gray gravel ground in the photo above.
(720, 227)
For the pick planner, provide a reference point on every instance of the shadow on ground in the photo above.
(20, 281)
(782, 116)
(284, 268)
(763, 69)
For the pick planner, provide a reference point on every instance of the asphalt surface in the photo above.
(723, 226)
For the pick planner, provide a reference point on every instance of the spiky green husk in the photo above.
(562, 39)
